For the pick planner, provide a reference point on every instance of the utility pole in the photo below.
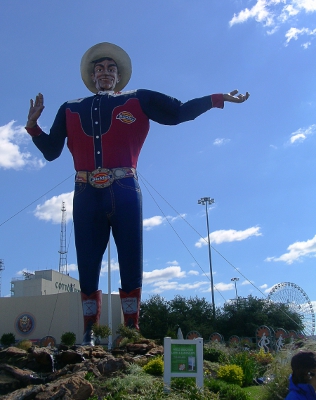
(208, 201)
(63, 249)
(1, 269)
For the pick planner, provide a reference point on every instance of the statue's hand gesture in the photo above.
(36, 108)
(240, 98)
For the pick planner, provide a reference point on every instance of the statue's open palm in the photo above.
(36, 109)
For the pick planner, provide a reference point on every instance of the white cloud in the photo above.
(150, 223)
(229, 235)
(173, 219)
(268, 289)
(163, 274)
(246, 282)
(287, 12)
(50, 210)
(269, 12)
(162, 286)
(314, 306)
(297, 251)
(12, 152)
(294, 33)
(160, 280)
(260, 12)
(301, 134)
(72, 267)
(273, 13)
(305, 5)
(220, 141)
(114, 266)
(264, 286)
(24, 271)
(306, 45)
(175, 262)
(223, 287)
(273, 30)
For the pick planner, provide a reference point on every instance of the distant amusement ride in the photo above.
(292, 295)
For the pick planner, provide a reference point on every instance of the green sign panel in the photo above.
(183, 358)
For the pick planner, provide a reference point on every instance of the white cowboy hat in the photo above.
(110, 50)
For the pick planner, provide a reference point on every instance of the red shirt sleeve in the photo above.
(218, 100)
(35, 131)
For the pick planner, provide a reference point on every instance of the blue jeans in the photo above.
(97, 211)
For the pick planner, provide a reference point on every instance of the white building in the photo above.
(43, 283)
(48, 303)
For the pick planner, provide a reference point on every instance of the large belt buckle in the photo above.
(101, 178)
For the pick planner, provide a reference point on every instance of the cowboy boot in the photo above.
(130, 306)
(91, 307)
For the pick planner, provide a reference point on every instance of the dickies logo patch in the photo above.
(126, 117)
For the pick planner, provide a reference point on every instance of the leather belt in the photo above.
(103, 177)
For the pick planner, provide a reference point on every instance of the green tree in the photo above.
(154, 318)
(193, 314)
(158, 316)
(243, 318)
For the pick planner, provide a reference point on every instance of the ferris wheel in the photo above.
(297, 300)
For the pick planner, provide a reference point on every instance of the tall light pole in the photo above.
(235, 280)
(208, 201)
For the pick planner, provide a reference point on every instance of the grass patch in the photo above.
(254, 392)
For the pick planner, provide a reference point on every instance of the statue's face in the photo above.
(105, 75)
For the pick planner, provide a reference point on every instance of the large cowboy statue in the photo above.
(105, 133)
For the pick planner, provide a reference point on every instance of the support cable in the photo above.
(34, 201)
(204, 273)
(143, 179)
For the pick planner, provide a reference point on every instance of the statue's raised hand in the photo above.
(36, 109)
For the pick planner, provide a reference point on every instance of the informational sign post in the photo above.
(183, 359)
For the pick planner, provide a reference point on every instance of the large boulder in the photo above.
(109, 365)
(74, 387)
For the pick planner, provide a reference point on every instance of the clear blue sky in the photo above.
(257, 159)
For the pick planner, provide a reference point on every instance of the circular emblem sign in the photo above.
(25, 323)
(48, 341)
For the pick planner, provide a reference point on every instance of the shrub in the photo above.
(129, 333)
(154, 366)
(89, 376)
(215, 353)
(186, 389)
(263, 358)
(7, 339)
(25, 345)
(101, 331)
(124, 342)
(68, 338)
(225, 390)
(182, 383)
(231, 373)
(248, 365)
(135, 384)
(263, 361)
